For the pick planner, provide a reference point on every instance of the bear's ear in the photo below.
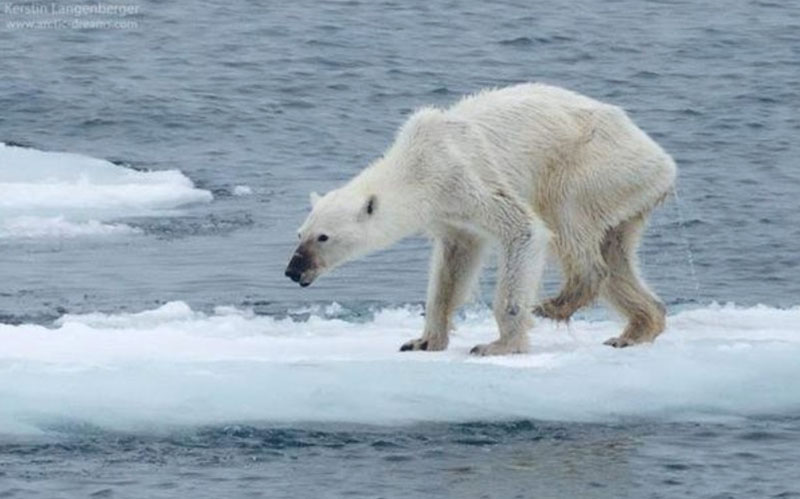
(314, 197)
(371, 205)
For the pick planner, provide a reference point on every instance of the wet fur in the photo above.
(532, 168)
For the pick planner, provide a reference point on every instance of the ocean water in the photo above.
(155, 167)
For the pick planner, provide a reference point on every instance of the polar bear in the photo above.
(532, 167)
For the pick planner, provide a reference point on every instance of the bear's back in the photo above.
(532, 98)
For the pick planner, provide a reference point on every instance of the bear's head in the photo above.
(342, 225)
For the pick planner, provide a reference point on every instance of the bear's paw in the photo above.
(431, 344)
(499, 347)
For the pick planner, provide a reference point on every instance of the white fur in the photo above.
(524, 166)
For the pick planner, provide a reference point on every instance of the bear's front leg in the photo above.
(454, 267)
(521, 263)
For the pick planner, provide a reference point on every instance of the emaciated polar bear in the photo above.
(530, 166)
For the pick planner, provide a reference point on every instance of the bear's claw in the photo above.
(427, 344)
(619, 342)
(552, 310)
(414, 345)
(498, 348)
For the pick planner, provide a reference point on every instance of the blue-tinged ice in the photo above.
(176, 366)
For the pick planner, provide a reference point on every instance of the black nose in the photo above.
(298, 264)
(293, 274)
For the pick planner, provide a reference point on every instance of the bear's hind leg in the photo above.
(626, 291)
(454, 267)
(584, 272)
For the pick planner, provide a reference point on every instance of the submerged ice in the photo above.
(176, 366)
(64, 194)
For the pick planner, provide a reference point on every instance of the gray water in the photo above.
(292, 97)
(503, 460)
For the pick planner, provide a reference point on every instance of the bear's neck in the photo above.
(399, 201)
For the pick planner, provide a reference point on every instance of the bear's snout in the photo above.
(293, 274)
(298, 266)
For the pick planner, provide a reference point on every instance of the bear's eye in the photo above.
(322, 238)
